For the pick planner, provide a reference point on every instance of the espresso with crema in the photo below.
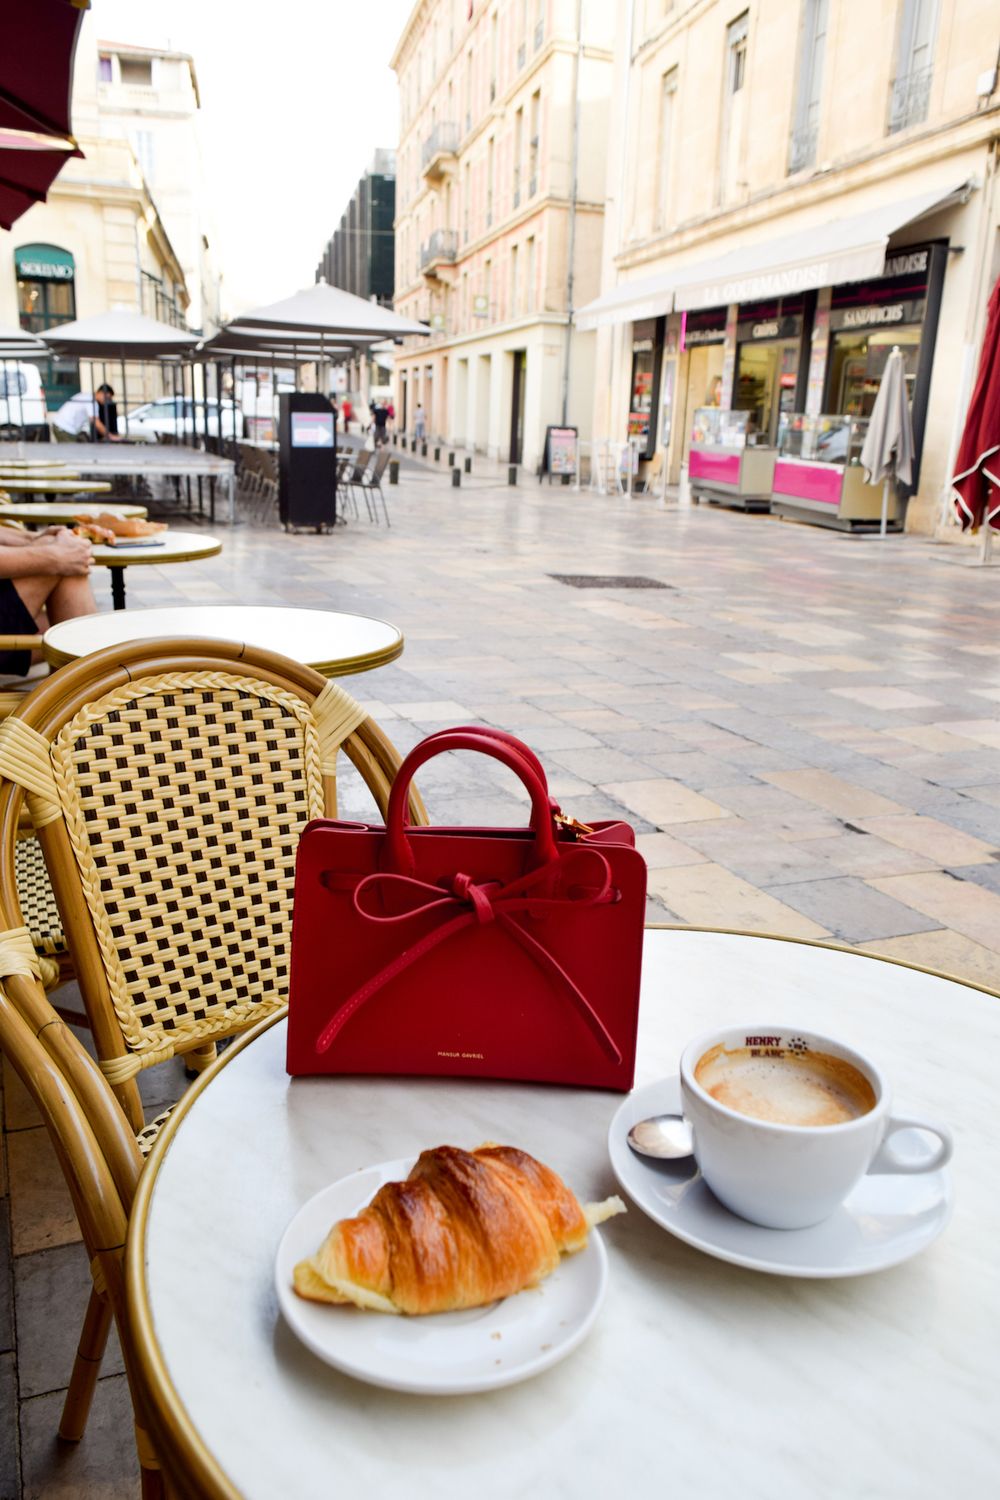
(786, 1087)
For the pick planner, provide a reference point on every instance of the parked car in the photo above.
(176, 416)
(22, 402)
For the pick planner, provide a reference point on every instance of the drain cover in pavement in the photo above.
(608, 581)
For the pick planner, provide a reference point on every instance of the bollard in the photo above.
(437, 455)
(456, 479)
(451, 460)
(403, 441)
(512, 474)
(395, 440)
(468, 465)
(423, 450)
(394, 471)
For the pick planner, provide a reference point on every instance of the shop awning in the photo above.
(828, 254)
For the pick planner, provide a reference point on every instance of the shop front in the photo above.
(818, 476)
(731, 458)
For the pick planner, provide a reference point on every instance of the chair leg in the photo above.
(86, 1368)
(385, 508)
(200, 1058)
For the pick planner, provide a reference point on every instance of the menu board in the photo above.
(560, 457)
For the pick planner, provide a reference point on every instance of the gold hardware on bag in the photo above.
(573, 824)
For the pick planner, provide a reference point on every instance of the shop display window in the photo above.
(857, 360)
(722, 429)
(829, 439)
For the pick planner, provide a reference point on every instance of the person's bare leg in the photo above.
(70, 598)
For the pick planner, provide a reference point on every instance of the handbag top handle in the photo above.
(502, 747)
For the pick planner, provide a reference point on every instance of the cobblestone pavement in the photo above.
(802, 726)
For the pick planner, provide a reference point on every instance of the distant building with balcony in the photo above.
(359, 257)
(793, 189)
(499, 211)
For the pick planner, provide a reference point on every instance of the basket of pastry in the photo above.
(490, 1268)
(107, 529)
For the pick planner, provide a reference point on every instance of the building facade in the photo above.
(359, 256)
(499, 209)
(795, 187)
(97, 242)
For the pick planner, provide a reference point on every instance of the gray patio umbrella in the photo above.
(325, 310)
(120, 334)
(887, 454)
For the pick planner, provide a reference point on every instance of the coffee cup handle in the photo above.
(886, 1160)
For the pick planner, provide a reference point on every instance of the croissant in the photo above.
(466, 1228)
(130, 526)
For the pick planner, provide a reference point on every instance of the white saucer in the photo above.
(883, 1221)
(445, 1354)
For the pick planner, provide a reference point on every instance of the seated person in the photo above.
(90, 416)
(44, 578)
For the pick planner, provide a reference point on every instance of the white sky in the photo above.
(295, 97)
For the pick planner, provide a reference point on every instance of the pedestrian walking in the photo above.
(380, 416)
(419, 424)
(348, 412)
(334, 408)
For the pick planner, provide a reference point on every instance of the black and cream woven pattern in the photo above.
(184, 797)
(38, 903)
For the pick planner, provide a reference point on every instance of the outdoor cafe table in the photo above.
(56, 512)
(699, 1378)
(43, 484)
(335, 644)
(141, 460)
(171, 547)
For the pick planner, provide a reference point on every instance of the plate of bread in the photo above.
(120, 531)
(459, 1272)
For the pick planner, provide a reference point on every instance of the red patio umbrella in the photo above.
(977, 465)
(36, 81)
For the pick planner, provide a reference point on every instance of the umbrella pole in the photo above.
(885, 506)
(124, 394)
(984, 561)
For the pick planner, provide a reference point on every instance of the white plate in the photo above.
(883, 1221)
(442, 1354)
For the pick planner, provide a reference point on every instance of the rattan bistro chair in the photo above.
(168, 782)
(101, 1163)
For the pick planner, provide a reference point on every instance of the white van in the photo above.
(22, 401)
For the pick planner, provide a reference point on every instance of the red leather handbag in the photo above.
(468, 952)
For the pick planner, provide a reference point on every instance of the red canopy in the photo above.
(36, 80)
(977, 465)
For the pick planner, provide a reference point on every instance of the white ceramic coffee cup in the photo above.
(791, 1176)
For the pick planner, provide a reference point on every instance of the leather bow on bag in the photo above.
(490, 952)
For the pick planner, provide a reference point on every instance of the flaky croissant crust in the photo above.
(466, 1228)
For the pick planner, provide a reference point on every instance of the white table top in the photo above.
(56, 511)
(333, 643)
(698, 1378)
(123, 458)
(178, 546)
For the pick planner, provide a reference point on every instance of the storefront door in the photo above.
(765, 383)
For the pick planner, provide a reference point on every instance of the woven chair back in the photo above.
(169, 783)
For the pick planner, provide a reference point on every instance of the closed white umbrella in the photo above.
(887, 454)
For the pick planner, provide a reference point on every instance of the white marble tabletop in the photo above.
(333, 642)
(699, 1377)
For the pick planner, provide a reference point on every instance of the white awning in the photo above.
(828, 254)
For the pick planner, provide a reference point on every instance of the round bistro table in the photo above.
(335, 644)
(60, 512)
(175, 547)
(57, 485)
(698, 1378)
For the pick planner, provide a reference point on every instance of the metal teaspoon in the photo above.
(665, 1137)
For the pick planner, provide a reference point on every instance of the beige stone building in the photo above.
(499, 205)
(794, 188)
(100, 241)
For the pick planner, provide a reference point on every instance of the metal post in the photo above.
(885, 506)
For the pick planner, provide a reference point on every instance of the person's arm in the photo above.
(61, 555)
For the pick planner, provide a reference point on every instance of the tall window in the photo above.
(805, 127)
(488, 288)
(532, 272)
(911, 86)
(518, 153)
(494, 51)
(466, 202)
(490, 163)
(665, 162)
(534, 127)
(734, 108)
(137, 72)
(515, 290)
(468, 91)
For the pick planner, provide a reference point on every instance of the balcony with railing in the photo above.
(911, 94)
(438, 253)
(438, 153)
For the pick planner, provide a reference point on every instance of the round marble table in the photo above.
(335, 644)
(60, 512)
(41, 484)
(698, 1378)
(171, 547)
